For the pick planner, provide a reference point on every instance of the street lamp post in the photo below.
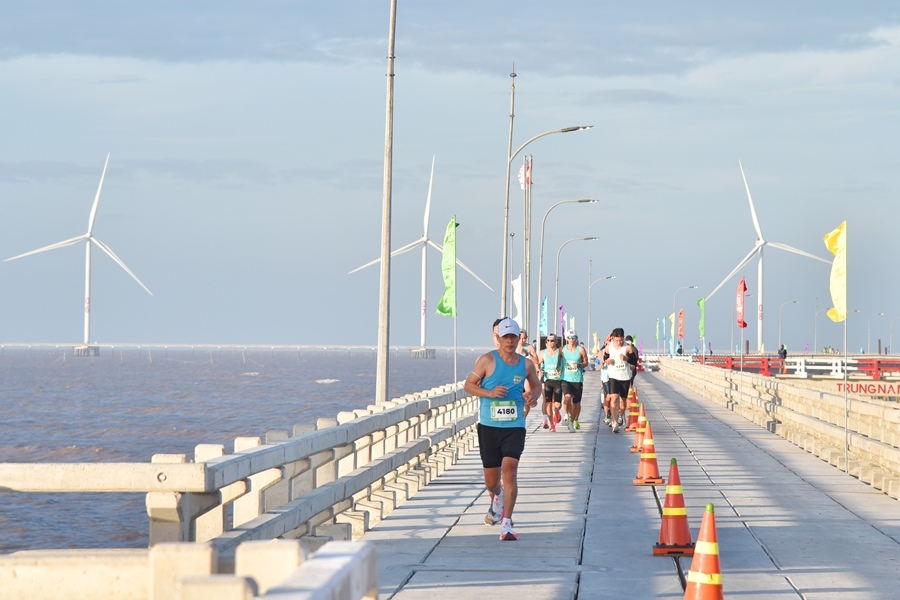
(540, 288)
(675, 309)
(556, 293)
(869, 335)
(511, 156)
(590, 286)
(780, 313)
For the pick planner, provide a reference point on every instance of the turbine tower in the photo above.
(86, 349)
(424, 242)
(758, 250)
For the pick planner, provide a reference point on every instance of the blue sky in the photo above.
(246, 145)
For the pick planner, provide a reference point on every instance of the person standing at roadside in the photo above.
(550, 362)
(617, 357)
(574, 361)
(498, 379)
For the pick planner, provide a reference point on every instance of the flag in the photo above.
(447, 305)
(739, 303)
(528, 165)
(543, 324)
(657, 330)
(681, 324)
(664, 338)
(517, 300)
(596, 347)
(702, 304)
(562, 319)
(572, 323)
(672, 333)
(522, 177)
(836, 242)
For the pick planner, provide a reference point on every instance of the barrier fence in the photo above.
(317, 484)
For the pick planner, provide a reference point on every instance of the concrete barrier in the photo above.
(813, 419)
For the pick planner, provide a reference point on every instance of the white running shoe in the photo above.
(616, 428)
(506, 531)
(495, 511)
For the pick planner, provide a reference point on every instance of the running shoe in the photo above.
(606, 420)
(495, 511)
(616, 428)
(506, 531)
(577, 424)
(621, 421)
(557, 417)
(569, 424)
(553, 427)
(546, 423)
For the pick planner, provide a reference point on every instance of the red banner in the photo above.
(681, 324)
(739, 303)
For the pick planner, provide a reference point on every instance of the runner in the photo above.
(623, 402)
(575, 359)
(617, 357)
(550, 371)
(498, 379)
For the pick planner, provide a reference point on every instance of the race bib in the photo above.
(619, 366)
(572, 365)
(504, 410)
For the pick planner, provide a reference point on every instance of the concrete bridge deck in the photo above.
(789, 525)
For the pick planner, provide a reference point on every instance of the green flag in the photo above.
(702, 304)
(447, 305)
(657, 329)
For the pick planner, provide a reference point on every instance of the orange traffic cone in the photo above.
(704, 580)
(639, 430)
(674, 535)
(648, 470)
(631, 423)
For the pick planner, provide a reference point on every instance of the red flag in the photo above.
(681, 324)
(739, 303)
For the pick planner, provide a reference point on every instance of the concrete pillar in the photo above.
(268, 562)
(171, 562)
(219, 587)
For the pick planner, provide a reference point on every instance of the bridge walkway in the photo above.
(788, 524)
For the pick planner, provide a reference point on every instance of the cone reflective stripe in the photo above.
(639, 430)
(674, 534)
(648, 469)
(704, 580)
(631, 423)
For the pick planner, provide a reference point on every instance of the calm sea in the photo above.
(126, 405)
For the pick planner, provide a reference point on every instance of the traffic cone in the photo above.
(639, 430)
(631, 423)
(648, 470)
(704, 580)
(674, 535)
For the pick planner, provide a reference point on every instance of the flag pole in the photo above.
(846, 407)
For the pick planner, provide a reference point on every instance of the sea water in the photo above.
(129, 404)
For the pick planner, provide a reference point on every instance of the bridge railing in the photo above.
(316, 484)
(813, 419)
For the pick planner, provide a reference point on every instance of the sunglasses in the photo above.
(551, 341)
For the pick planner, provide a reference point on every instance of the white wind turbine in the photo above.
(88, 238)
(758, 250)
(424, 241)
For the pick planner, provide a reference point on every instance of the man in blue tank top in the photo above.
(498, 379)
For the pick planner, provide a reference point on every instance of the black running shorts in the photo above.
(497, 443)
(619, 387)
(553, 390)
(573, 389)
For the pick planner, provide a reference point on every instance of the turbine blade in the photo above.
(735, 270)
(759, 234)
(440, 249)
(428, 200)
(62, 244)
(396, 252)
(119, 262)
(787, 248)
(97, 199)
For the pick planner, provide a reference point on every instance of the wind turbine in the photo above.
(88, 238)
(424, 242)
(758, 250)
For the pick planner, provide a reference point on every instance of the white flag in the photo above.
(522, 177)
(517, 299)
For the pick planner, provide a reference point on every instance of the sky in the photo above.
(246, 146)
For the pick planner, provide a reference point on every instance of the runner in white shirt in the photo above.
(617, 358)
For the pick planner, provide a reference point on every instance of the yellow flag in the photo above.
(836, 242)
(672, 319)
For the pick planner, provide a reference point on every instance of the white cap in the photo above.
(506, 327)
(571, 334)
